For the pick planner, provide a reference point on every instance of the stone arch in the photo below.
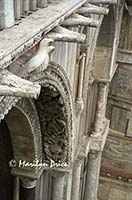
(56, 114)
(23, 124)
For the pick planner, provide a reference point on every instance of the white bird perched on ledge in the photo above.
(39, 61)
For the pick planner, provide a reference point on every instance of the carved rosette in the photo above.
(55, 110)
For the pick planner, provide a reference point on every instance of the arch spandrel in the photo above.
(56, 114)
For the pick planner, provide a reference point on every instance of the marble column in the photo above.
(76, 181)
(100, 110)
(92, 176)
(6, 13)
(16, 188)
(42, 3)
(27, 189)
(69, 185)
(58, 185)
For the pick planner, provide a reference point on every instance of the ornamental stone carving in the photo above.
(55, 110)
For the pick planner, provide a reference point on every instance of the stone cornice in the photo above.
(17, 40)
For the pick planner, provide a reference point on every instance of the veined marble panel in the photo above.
(117, 157)
(121, 85)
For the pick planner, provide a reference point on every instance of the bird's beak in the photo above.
(50, 49)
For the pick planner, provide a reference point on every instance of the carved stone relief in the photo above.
(55, 110)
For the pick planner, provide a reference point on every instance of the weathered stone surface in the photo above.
(117, 158)
(110, 189)
(121, 85)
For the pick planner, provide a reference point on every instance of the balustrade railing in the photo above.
(13, 10)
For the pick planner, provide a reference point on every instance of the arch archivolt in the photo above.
(55, 110)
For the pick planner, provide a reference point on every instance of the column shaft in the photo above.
(42, 3)
(16, 188)
(27, 194)
(58, 184)
(92, 177)
(69, 186)
(101, 105)
(27, 188)
(7, 13)
(76, 182)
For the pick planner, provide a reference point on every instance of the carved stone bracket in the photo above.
(76, 20)
(60, 33)
(91, 9)
(113, 2)
(55, 110)
(12, 85)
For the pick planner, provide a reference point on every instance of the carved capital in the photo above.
(57, 174)
(28, 183)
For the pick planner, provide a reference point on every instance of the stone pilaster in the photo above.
(92, 177)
